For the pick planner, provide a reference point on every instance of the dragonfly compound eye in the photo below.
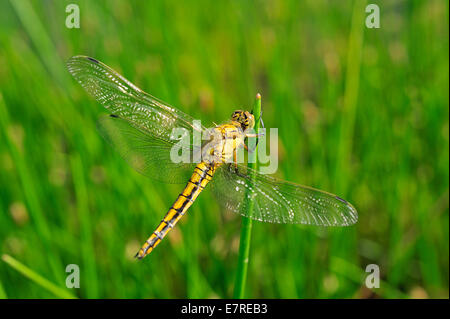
(236, 115)
(249, 120)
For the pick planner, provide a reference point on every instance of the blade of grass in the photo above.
(246, 229)
(41, 39)
(30, 191)
(352, 76)
(41, 281)
(2, 292)
(357, 275)
(86, 231)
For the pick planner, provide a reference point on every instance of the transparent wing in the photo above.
(123, 98)
(278, 201)
(145, 152)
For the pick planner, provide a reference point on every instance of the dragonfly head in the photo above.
(244, 118)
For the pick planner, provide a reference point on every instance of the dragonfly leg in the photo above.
(257, 135)
(235, 158)
(249, 149)
(235, 169)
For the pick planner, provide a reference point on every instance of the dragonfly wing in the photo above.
(145, 152)
(279, 201)
(123, 98)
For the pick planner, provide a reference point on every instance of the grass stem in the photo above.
(246, 229)
(41, 281)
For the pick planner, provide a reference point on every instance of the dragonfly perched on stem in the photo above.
(140, 129)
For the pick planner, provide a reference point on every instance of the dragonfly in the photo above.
(140, 127)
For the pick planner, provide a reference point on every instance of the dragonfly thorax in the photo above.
(222, 144)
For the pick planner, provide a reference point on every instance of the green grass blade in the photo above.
(352, 80)
(41, 281)
(2, 292)
(86, 231)
(41, 39)
(357, 275)
(246, 228)
(31, 192)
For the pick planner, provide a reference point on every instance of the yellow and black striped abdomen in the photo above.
(202, 175)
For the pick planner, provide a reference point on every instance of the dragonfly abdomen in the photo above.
(202, 175)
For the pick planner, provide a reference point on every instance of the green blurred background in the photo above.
(361, 112)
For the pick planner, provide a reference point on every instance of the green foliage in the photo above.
(361, 112)
(30, 274)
